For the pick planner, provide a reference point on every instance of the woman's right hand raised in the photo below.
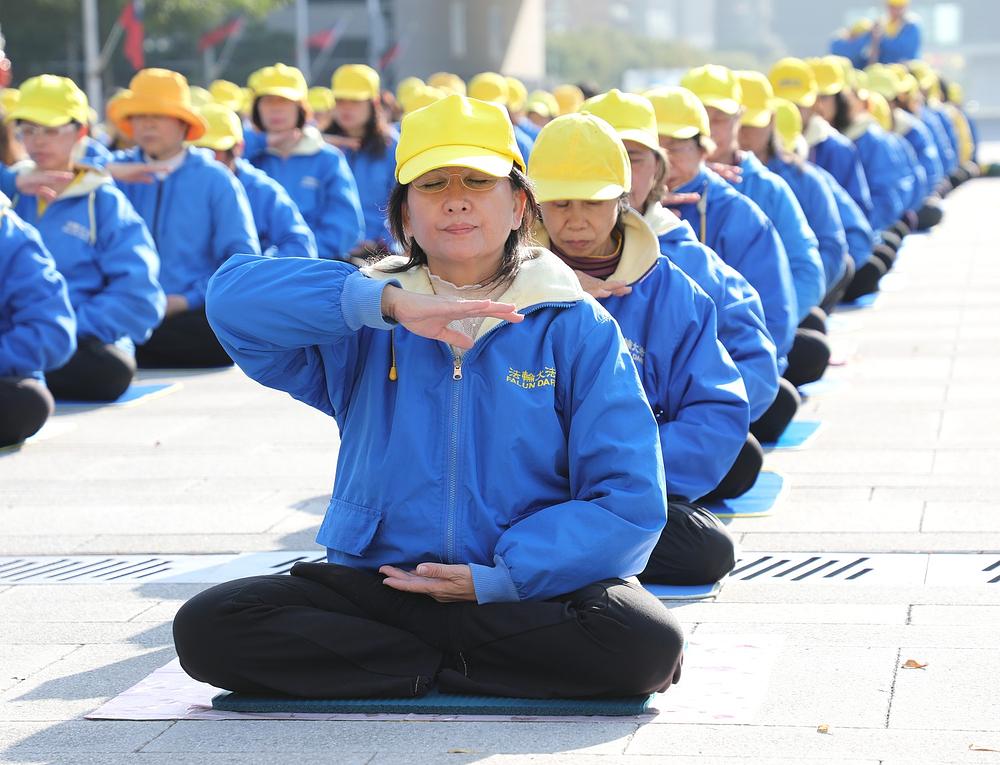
(430, 315)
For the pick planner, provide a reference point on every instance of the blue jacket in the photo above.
(855, 48)
(743, 237)
(903, 46)
(919, 189)
(935, 123)
(838, 156)
(280, 227)
(198, 216)
(860, 237)
(525, 142)
(375, 176)
(820, 208)
(529, 127)
(510, 460)
(692, 385)
(777, 201)
(37, 326)
(104, 251)
(738, 312)
(949, 127)
(319, 180)
(919, 136)
(94, 153)
(886, 169)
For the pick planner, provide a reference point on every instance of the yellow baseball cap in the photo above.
(457, 132)
(517, 94)
(899, 3)
(880, 109)
(787, 123)
(356, 82)
(423, 96)
(227, 93)
(579, 156)
(829, 76)
(320, 99)
(883, 80)
(956, 93)
(8, 99)
(632, 116)
(715, 85)
(51, 101)
(757, 98)
(793, 80)
(489, 86)
(925, 75)
(679, 113)
(225, 129)
(569, 97)
(200, 97)
(543, 103)
(280, 80)
(858, 80)
(448, 82)
(157, 91)
(407, 86)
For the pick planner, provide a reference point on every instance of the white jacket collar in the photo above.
(860, 126)
(660, 219)
(817, 130)
(312, 142)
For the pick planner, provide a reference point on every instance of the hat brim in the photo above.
(758, 118)
(673, 130)
(831, 90)
(640, 136)
(472, 157)
(804, 99)
(728, 105)
(553, 189)
(288, 93)
(353, 95)
(41, 116)
(133, 106)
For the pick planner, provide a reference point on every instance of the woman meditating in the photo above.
(499, 480)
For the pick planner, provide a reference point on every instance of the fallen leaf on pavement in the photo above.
(824, 728)
(914, 664)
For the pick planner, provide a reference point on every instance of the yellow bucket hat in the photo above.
(517, 94)
(448, 82)
(457, 132)
(356, 82)
(489, 86)
(8, 99)
(280, 80)
(542, 103)
(679, 113)
(757, 97)
(579, 156)
(320, 99)
(51, 101)
(880, 109)
(159, 92)
(569, 97)
(407, 87)
(423, 96)
(829, 76)
(716, 86)
(632, 116)
(793, 80)
(227, 93)
(225, 129)
(787, 123)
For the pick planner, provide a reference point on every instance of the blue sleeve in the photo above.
(949, 160)
(802, 249)
(906, 46)
(233, 230)
(617, 514)
(341, 225)
(923, 144)
(915, 173)
(293, 324)
(821, 210)
(39, 328)
(8, 181)
(286, 229)
(860, 237)
(254, 144)
(856, 181)
(524, 143)
(883, 182)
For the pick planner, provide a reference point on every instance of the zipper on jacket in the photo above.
(453, 442)
(156, 212)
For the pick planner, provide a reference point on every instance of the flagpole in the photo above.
(376, 35)
(301, 35)
(208, 64)
(91, 55)
(227, 52)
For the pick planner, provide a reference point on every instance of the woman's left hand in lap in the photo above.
(443, 582)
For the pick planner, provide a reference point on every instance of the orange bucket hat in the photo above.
(160, 92)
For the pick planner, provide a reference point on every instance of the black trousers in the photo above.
(809, 357)
(770, 425)
(695, 548)
(866, 280)
(742, 475)
(836, 291)
(183, 341)
(930, 214)
(330, 631)
(97, 372)
(25, 405)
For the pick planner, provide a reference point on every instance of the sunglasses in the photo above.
(37, 131)
(434, 183)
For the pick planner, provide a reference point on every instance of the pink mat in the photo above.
(724, 681)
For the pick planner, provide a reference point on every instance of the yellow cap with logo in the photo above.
(793, 80)
(880, 109)
(356, 82)
(542, 103)
(829, 76)
(569, 97)
(280, 80)
(632, 116)
(757, 98)
(787, 124)
(679, 113)
(716, 86)
(51, 101)
(457, 132)
(579, 156)
(489, 86)
(517, 94)
(320, 99)
(448, 82)
(225, 129)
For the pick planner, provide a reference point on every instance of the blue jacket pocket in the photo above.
(348, 527)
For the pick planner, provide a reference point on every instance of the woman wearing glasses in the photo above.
(499, 477)
(100, 245)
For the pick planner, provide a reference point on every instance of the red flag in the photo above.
(130, 20)
(389, 56)
(223, 32)
(325, 38)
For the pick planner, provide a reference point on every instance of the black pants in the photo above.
(695, 548)
(183, 341)
(930, 214)
(836, 291)
(866, 280)
(330, 631)
(97, 372)
(742, 475)
(25, 405)
(770, 425)
(809, 357)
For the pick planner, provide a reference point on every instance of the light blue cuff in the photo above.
(493, 584)
(361, 302)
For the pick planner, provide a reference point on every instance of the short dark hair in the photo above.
(255, 116)
(514, 249)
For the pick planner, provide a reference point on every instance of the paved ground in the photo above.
(908, 461)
